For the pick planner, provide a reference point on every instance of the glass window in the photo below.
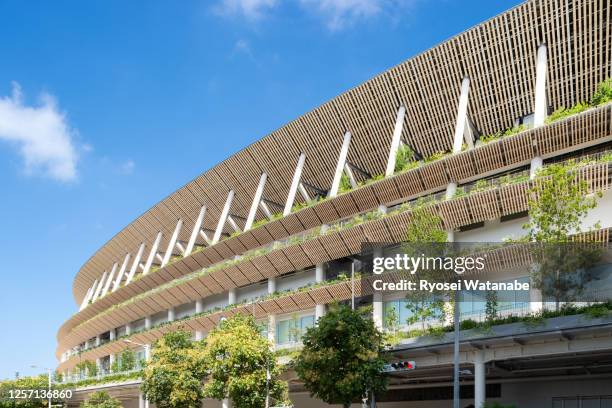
(291, 330)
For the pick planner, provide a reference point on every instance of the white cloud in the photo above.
(339, 14)
(41, 133)
(127, 167)
(251, 9)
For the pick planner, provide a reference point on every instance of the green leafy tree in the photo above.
(174, 376)
(101, 399)
(341, 359)
(239, 361)
(40, 382)
(87, 368)
(558, 205)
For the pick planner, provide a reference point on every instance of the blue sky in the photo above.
(108, 106)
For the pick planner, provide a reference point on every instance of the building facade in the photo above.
(275, 229)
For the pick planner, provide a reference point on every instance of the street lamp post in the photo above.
(49, 375)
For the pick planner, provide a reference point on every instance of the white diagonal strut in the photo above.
(152, 254)
(461, 115)
(109, 280)
(85, 299)
(395, 140)
(333, 191)
(100, 286)
(294, 184)
(93, 290)
(223, 217)
(351, 176)
(256, 201)
(264, 207)
(304, 192)
(172, 243)
(195, 231)
(124, 265)
(134, 267)
(539, 109)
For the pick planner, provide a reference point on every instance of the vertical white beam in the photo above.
(479, 379)
(377, 299)
(126, 260)
(135, 264)
(171, 314)
(223, 217)
(333, 191)
(231, 296)
(196, 230)
(539, 109)
(319, 277)
(256, 200)
(152, 254)
(294, 184)
(172, 243)
(461, 115)
(395, 140)
(109, 280)
(100, 286)
(271, 285)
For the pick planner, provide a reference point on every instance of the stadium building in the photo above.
(274, 230)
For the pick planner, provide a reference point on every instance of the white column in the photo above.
(109, 280)
(172, 243)
(100, 286)
(152, 254)
(226, 403)
(141, 400)
(319, 277)
(148, 322)
(128, 329)
(196, 230)
(135, 264)
(271, 285)
(294, 184)
(256, 201)
(111, 360)
(377, 298)
(395, 140)
(272, 329)
(461, 115)
(112, 334)
(479, 379)
(333, 191)
(124, 264)
(199, 308)
(223, 217)
(539, 109)
(535, 165)
(231, 296)
(171, 314)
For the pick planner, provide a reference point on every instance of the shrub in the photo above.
(603, 93)
(563, 112)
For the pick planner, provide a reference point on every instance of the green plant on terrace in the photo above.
(101, 399)
(404, 160)
(435, 156)
(603, 93)
(345, 183)
(480, 185)
(460, 192)
(563, 112)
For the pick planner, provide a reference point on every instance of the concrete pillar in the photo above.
(97, 341)
(128, 329)
(479, 379)
(320, 310)
(141, 400)
(226, 403)
(540, 108)
(112, 334)
(199, 335)
(272, 329)
(111, 360)
(171, 314)
(271, 285)
(395, 140)
(536, 164)
(231, 296)
(377, 298)
(199, 306)
(147, 322)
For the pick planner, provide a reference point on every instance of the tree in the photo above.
(558, 204)
(425, 236)
(40, 382)
(239, 361)
(341, 359)
(174, 376)
(101, 399)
